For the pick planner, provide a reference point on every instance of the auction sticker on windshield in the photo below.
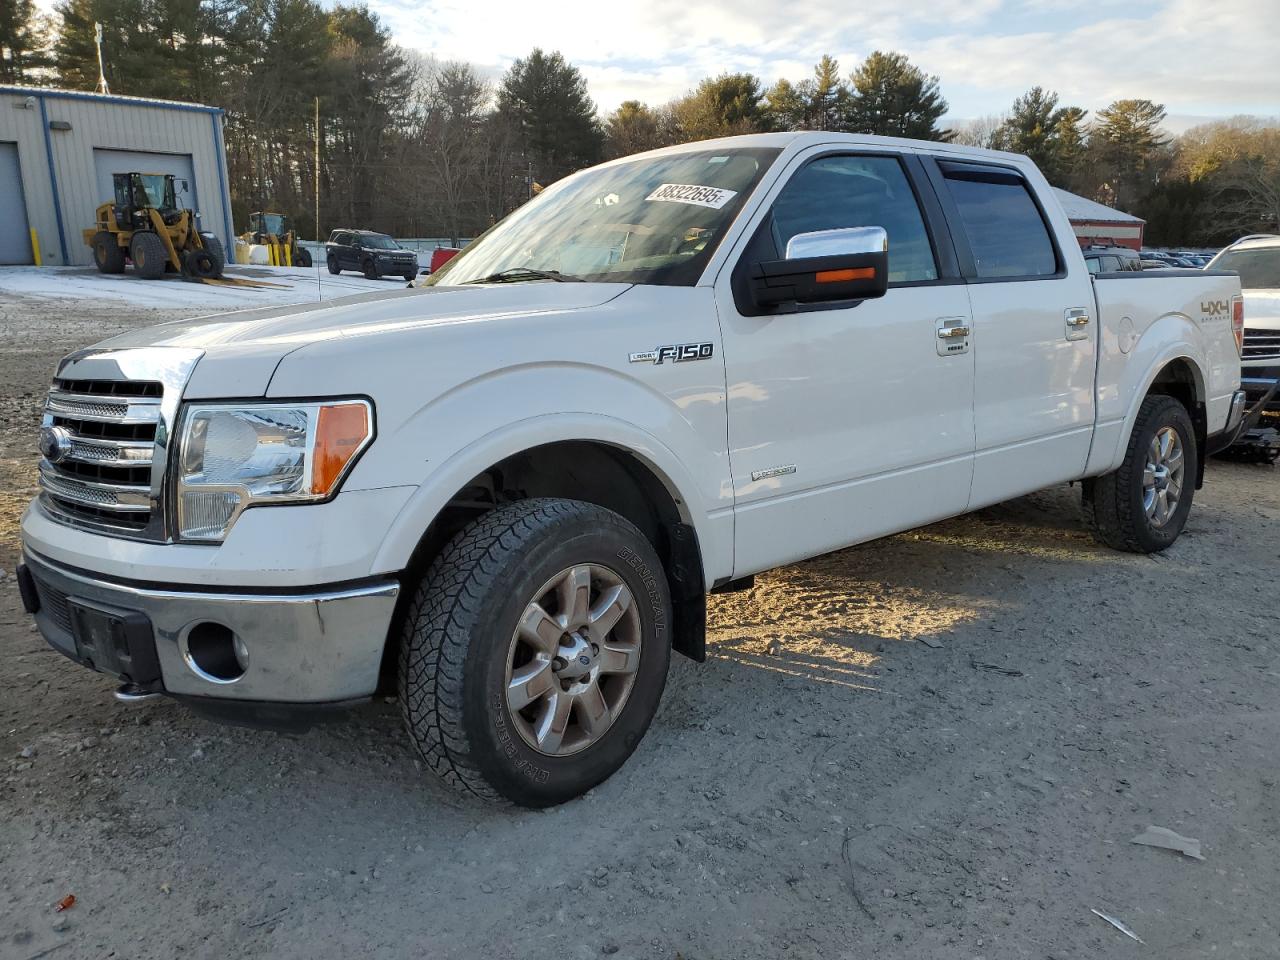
(712, 197)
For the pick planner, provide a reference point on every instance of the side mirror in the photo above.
(825, 266)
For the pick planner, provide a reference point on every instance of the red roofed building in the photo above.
(1095, 223)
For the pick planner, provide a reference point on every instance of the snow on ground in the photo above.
(290, 285)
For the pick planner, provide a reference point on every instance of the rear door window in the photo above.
(1005, 229)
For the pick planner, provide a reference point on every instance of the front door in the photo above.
(852, 420)
(1034, 338)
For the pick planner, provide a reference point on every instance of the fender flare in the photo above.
(1180, 350)
(451, 475)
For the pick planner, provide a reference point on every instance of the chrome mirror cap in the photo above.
(838, 243)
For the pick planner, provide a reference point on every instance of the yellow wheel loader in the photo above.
(276, 233)
(145, 224)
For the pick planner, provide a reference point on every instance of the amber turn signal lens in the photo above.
(840, 276)
(341, 431)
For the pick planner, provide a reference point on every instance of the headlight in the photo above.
(234, 456)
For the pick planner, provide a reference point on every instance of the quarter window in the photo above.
(835, 192)
(1006, 232)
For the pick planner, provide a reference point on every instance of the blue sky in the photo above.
(1201, 58)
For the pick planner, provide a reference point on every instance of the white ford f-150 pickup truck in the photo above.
(507, 495)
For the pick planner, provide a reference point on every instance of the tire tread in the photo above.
(1108, 510)
(438, 627)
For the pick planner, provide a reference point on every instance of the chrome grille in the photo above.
(115, 411)
(105, 478)
(1261, 344)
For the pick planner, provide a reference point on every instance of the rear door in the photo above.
(853, 419)
(1034, 333)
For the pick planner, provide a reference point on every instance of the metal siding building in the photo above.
(58, 149)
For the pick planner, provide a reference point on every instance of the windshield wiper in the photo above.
(527, 273)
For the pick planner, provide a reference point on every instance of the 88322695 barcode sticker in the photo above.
(713, 197)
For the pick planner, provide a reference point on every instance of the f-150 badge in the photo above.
(676, 353)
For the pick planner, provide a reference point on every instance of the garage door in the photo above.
(109, 162)
(15, 238)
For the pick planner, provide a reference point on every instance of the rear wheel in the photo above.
(332, 263)
(148, 255)
(535, 651)
(107, 253)
(1143, 506)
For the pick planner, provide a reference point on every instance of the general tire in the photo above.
(107, 254)
(1114, 503)
(147, 252)
(458, 634)
(371, 271)
(332, 263)
(303, 259)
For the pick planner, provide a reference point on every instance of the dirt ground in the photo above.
(937, 745)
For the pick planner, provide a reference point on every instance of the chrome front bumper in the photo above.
(305, 648)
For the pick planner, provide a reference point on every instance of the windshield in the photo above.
(144, 190)
(1259, 268)
(276, 223)
(377, 241)
(655, 220)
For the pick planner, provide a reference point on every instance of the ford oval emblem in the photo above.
(585, 661)
(55, 443)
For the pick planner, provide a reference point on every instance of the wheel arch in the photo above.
(1182, 378)
(1174, 371)
(635, 480)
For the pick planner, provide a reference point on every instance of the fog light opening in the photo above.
(216, 653)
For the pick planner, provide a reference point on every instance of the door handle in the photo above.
(1077, 319)
(950, 333)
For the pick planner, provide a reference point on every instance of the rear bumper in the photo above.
(1255, 381)
(314, 647)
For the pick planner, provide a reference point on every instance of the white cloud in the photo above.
(1196, 57)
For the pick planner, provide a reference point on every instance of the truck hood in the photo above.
(242, 349)
(1262, 309)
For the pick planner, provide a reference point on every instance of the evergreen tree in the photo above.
(784, 107)
(720, 107)
(635, 127)
(23, 43)
(892, 97)
(1048, 134)
(544, 100)
(827, 95)
(1127, 150)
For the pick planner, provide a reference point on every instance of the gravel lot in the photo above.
(937, 745)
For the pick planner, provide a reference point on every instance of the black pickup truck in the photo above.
(374, 254)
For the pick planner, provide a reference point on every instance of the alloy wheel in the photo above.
(573, 659)
(1162, 478)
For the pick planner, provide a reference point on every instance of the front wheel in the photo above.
(535, 651)
(371, 271)
(1142, 506)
